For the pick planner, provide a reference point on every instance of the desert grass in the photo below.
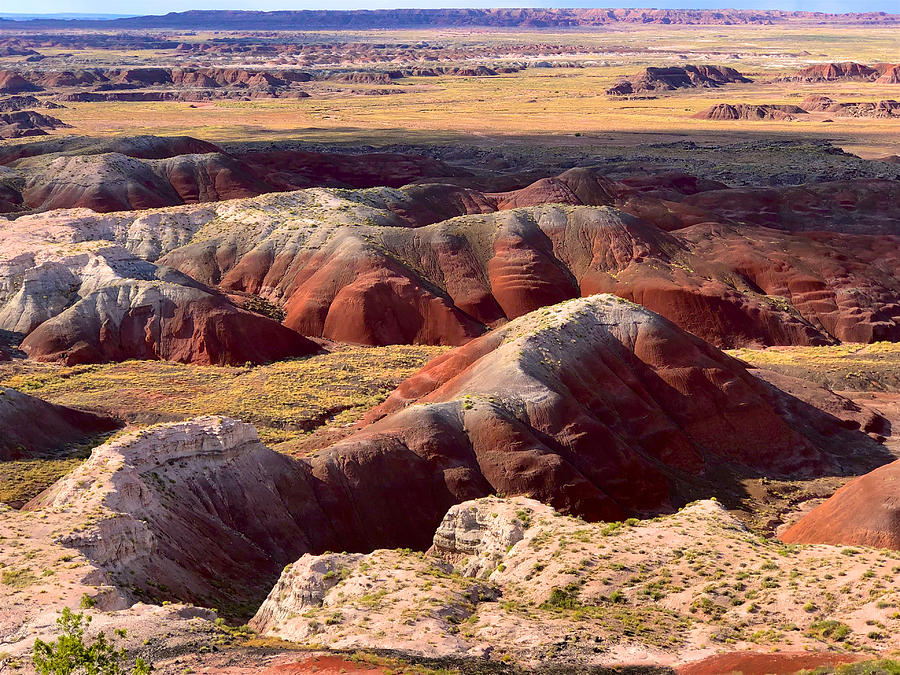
(284, 400)
(24, 479)
(287, 401)
(846, 367)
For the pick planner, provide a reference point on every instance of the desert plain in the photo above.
(462, 341)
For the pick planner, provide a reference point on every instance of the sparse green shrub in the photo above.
(829, 629)
(563, 598)
(69, 654)
(262, 306)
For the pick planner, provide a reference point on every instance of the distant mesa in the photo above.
(436, 18)
(865, 512)
(668, 79)
(28, 123)
(193, 84)
(740, 111)
(879, 109)
(883, 73)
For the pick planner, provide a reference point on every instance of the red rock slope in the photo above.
(32, 427)
(865, 512)
(731, 285)
(148, 172)
(88, 303)
(596, 406)
(829, 72)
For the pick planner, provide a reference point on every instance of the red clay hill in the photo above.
(732, 284)
(87, 302)
(596, 406)
(865, 512)
(441, 263)
(33, 428)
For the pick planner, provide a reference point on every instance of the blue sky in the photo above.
(163, 6)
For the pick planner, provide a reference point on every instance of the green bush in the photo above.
(563, 598)
(829, 629)
(69, 654)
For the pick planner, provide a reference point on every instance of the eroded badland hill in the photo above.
(451, 341)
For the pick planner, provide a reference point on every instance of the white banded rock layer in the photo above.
(579, 593)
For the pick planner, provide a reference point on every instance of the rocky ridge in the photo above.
(150, 172)
(740, 111)
(887, 108)
(847, 70)
(511, 579)
(655, 79)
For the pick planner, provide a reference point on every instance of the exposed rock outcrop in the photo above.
(122, 175)
(523, 411)
(16, 103)
(93, 302)
(877, 109)
(196, 511)
(579, 591)
(201, 511)
(13, 83)
(708, 258)
(889, 75)
(717, 281)
(140, 147)
(740, 111)
(829, 72)
(677, 77)
(27, 123)
(817, 103)
(852, 207)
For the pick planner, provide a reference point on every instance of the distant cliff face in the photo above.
(422, 18)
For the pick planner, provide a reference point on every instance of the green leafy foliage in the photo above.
(70, 655)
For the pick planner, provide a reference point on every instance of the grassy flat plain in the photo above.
(284, 399)
(846, 367)
(538, 102)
